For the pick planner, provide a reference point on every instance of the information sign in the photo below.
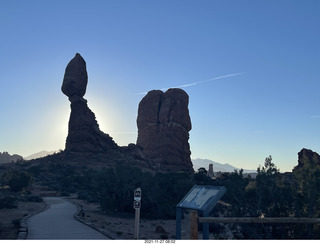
(137, 195)
(136, 204)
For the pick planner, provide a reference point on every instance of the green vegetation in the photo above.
(270, 194)
(113, 188)
(17, 180)
(7, 201)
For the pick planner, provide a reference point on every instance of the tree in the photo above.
(16, 180)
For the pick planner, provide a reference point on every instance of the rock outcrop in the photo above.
(210, 171)
(163, 129)
(163, 126)
(307, 158)
(5, 158)
(84, 134)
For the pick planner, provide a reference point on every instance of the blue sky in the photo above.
(265, 56)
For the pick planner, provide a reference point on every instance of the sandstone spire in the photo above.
(84, 134)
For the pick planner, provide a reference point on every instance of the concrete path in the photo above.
(57, 223)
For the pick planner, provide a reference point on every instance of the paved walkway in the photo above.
(57, 223)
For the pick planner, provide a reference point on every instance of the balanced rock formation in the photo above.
(84, 134)
(163, 129)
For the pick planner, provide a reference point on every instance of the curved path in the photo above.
(57, 223)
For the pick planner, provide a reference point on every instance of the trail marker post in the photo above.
(137, 206)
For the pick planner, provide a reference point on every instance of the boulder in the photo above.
(163, 129)
(75, 77)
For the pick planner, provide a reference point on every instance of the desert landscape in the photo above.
(114, 227)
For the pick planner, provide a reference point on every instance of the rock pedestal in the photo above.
(84, 134)
(163, 129)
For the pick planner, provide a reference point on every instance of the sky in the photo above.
(251, 70)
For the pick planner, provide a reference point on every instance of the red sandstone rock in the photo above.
(163, 129)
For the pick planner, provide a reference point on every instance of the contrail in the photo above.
(197, 82)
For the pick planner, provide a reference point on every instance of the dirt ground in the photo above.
(123, 228)
(8, 231)
(118, 228)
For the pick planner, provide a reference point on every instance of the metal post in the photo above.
(205, 228)
(178, 223)
(136, 206)
(136, 223)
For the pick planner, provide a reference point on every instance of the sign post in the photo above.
(137, 206)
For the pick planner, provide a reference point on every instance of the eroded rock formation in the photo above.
(307, 158)
(84, 134)
(5, 158)
(163, 129)
(163, 126)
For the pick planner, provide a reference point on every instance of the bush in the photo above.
(17, 180)
(64, 194)
(8, 202)
(16, 223)
(33, 198)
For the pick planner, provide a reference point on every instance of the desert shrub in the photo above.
(16, 223)
(33, 198)
(8, 202)
(160, 193)
(17, 180)
(35, 170)
(64, 194)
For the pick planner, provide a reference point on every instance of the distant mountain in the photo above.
(5, 158)
(204, 163)
(39, 155)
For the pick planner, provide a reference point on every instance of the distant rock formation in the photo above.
(40, 154)
(210, 171)
(307, 157)
(5, 158)
(84, 134)
(163, 129)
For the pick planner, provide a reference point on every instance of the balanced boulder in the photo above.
(84, 134)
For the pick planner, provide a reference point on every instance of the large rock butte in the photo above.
(163, 129)
(84, 134)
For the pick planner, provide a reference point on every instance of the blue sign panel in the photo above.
(202, 198)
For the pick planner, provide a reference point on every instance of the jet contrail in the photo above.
(197, 82)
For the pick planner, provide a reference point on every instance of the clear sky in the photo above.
(251, 69)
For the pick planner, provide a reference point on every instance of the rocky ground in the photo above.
(123, 227)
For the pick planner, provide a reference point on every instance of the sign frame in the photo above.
(202, 198)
